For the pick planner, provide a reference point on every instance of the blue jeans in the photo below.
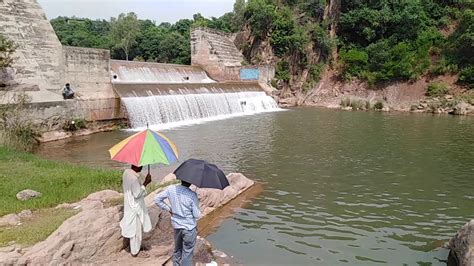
(184, 241)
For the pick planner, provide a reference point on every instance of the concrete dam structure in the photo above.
(216, 85)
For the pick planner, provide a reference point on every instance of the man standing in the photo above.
(135, 214)
(185, 212)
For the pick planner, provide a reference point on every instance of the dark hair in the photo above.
(67, 84)
(137, 168)
(184, 183)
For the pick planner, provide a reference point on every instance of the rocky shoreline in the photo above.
(462, 245)
(93, 235)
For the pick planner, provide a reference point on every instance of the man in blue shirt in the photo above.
(185, 212)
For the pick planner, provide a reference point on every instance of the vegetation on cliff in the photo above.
(376, 41)
(7, 48)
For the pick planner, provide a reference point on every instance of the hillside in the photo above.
(374, 44)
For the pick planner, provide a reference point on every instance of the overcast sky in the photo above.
(158, 10)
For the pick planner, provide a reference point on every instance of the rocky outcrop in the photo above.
(93, 235)
(27, 194)
(462, 245)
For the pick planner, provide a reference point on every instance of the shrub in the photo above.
(436, 89)
(19, 130)
(378, 105)
(315, 72)
(345, 102)
(7, 48)
(282, 71)
(75, 124)
(368, 106)
(466, 76)
(443, 67)
(357, 104)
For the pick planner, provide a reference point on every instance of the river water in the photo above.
(340, 188)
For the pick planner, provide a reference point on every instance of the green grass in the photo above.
(58, 182)
(35, 229)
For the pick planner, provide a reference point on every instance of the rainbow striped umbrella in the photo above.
(145, 148)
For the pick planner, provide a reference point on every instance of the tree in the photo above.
(238, 15)
(124, 31)
(7, 48)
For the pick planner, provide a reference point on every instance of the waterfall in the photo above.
(165, 111)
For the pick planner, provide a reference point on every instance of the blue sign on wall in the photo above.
(249, 73)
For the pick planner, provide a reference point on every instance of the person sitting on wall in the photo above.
(68, 92)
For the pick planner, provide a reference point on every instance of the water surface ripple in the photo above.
(341, 188)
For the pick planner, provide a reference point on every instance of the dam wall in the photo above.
(88, 72)
(215, 84)
(38, 63)
(217, 54)
(124, 72)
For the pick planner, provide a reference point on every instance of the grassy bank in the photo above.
(35, 229)
(58, 182)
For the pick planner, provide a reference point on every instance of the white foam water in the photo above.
(168, 111)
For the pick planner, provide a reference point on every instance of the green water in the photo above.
(341, 188)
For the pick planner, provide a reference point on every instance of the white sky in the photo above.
(157, 10)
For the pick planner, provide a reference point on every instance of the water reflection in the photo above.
(351, 188)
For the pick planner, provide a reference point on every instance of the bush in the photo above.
(7, 48)
(282, 71)
(19, 130)
(466, 76)
(315, 72)
(75, 124)
(378, 105)
(345, 102)
(442, 67)
(436, 89)
(357, 104)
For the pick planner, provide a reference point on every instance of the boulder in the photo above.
(94, 236)
(462, 108)
(27, 194)
(9, 220)
(462, 245)
(25, 214)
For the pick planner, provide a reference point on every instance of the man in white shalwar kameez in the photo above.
(135, 219)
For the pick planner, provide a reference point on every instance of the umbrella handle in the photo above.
(148, 169)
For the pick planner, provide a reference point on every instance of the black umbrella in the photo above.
(201, 174)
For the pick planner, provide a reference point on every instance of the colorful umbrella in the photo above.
(145, 148)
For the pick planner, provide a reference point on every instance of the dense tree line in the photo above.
(130, 38)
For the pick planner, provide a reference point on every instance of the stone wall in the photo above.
(38, 57)
(216, 53)
(88, 72)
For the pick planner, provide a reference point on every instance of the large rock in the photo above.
(84, 237)
(462, 108)
(462, 245)
(27, 194)
(9, 219)
(93, 235)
